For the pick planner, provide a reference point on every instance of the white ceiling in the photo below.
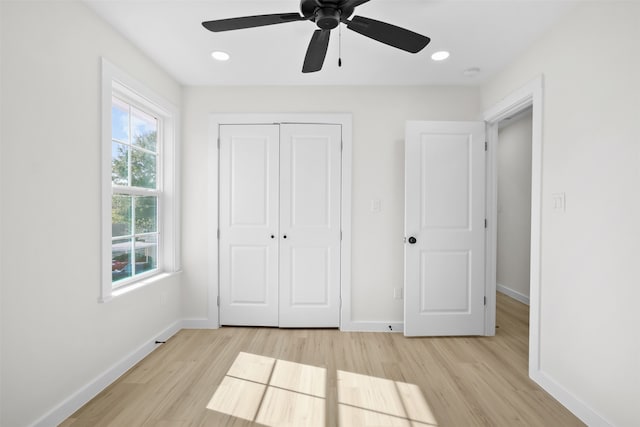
(486, 34)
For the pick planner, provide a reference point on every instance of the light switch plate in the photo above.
(558, 202)
(376, 205)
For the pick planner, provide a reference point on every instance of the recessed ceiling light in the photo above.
(440, 56)
(220, 56)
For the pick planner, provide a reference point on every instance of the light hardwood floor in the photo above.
(327, 377)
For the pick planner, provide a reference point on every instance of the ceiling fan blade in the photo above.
(316, 51)
(251, 21)
(392, 35)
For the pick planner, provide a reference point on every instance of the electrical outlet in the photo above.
(397, 293)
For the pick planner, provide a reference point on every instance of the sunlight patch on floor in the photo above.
(252, 367)
(279, 393)
(287, 408)
(272, 392)
(238, 397)
(298, 377)
(364, 400)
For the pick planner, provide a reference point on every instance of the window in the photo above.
(135, 192)
(140, 215)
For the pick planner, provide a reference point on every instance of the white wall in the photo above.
(56, 337)
(514, 207)
(589, 342)
(1, 215)
(379, 115)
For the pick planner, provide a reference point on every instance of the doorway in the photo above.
(514, 206)
(527, 97)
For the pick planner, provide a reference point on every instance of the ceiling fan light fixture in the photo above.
(219, 55)
(440, 55)
(327, 18)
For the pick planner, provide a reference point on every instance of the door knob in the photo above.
(412, 240)
(272, 236)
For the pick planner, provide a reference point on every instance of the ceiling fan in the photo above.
(327, 15)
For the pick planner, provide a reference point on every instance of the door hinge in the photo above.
(218, 143)
(341, 145)
(341, 235)
(486, 223)
(485, 300)
(218, 234)
(218, 300)
(486, 146)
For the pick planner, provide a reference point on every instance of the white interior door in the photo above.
(310, 171)
(248, 221)
(444, 228)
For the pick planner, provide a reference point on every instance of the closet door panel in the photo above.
(310, 171)
(249, 185)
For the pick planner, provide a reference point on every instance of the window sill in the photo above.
(138, 285)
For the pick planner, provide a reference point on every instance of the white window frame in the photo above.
(116, 82)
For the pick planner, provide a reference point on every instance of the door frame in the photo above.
(217, 119)
(530, 95)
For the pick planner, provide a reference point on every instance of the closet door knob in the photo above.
(273, 237)
(412, 240)
(284, 237)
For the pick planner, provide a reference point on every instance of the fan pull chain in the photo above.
(339, 45)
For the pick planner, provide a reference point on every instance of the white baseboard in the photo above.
(366, 326)
(199, 324)
(513, 294)
(579, 408)
(65, 409)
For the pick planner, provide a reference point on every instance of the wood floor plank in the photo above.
(379, 378)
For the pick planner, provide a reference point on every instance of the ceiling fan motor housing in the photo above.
(327, 18)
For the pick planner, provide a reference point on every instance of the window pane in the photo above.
(135, 162)
(143, 169)
(146, 214)
(146, 253)
(145, 130)
(119, 164)
(119, 120)
(121, 251)
(121, 215)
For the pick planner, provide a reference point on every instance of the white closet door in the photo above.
(444, 226)
(310, 173)
(249, 225)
